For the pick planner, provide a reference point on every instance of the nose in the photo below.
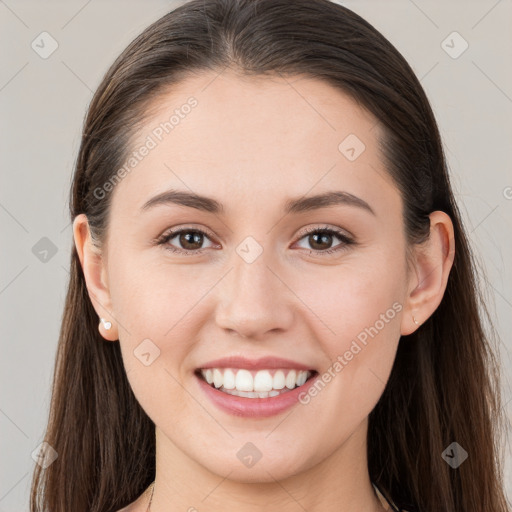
(254, 300)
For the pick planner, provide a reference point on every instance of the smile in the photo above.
(255, 384)
(254, 393)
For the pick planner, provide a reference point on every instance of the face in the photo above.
(321, 285)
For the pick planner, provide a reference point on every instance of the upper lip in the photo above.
(255, 364)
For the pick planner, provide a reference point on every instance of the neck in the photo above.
(340, 482)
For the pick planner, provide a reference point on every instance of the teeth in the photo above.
(218, 379)
(291, 379)
(229, 379)
(244, 381)
(301, 378)
(252, 394)
(279, 380)
(208, 375)
(261, 383)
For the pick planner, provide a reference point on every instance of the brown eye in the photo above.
(188, 241)
(321, 239)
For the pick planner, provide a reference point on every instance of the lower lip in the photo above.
(254, 407)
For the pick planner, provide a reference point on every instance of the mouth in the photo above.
(256, 384)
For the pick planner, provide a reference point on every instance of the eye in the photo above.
(189, 238)
(319, 238)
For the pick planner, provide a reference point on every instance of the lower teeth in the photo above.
(254, 394)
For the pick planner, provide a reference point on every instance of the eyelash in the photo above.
(346, 241)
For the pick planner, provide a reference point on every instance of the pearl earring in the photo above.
(414, 320)
(106, 324)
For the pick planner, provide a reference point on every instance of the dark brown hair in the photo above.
(444, 386)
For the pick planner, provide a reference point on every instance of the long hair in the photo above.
(444, 386)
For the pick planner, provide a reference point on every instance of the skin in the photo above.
(252, 144)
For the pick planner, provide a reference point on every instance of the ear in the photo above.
(433, 260)
(95, 274)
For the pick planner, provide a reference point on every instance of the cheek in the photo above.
(357, 318)
(152, 297)
(353, 296)
(160, 308)
(154, 307)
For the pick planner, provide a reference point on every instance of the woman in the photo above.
(272, 302)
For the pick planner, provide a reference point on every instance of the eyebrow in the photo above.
(298, 205)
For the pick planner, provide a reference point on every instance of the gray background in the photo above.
(42, 104)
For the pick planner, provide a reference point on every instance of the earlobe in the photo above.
(95, 276)
(433, 260)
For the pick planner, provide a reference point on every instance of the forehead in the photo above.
(256, 139)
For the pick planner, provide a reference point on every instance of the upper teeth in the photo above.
(262, 380)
